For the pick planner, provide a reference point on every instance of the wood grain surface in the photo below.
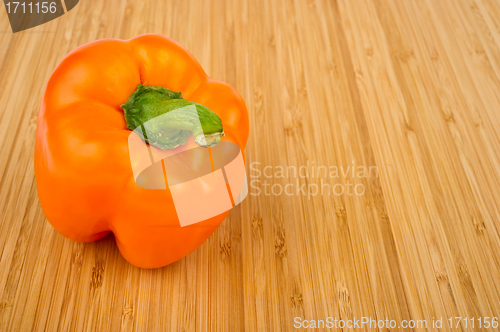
(410, 88)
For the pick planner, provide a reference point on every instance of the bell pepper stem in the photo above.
(167, 120)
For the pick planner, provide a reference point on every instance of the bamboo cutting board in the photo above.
(407, 89)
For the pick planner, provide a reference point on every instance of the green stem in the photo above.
(168, 120)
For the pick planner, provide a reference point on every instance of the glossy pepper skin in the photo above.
(82, 166)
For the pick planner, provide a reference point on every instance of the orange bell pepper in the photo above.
(82, 165)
